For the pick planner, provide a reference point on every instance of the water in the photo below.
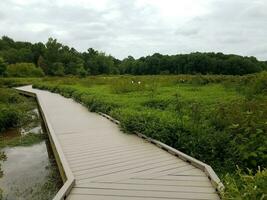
(36, 126)
(29, 172)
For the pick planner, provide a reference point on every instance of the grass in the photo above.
(26, 140)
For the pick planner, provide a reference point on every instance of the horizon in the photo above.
(141, 27)
(136, 58)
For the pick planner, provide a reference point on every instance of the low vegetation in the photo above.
(246, 186)
(220, 120)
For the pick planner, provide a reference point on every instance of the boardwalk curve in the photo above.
(100, 162)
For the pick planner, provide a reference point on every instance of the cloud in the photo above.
(141, 27)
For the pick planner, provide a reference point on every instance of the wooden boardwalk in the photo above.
(107, 164)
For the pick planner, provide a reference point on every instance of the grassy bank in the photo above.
(26, 140)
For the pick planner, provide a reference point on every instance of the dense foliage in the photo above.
(56, 59)
(191, 113)
(13, 109)
(203, 63)
(23, 70)
(246, 186)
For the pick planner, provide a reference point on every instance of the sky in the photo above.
(141, 27)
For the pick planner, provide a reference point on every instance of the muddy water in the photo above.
(29, 172)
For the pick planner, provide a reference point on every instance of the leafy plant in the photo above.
(246, 186)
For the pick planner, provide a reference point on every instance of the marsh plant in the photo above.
(201, 115)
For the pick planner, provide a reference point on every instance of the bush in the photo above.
(246, 186)
(24, 70)
(245, 127)
(13, 109)
(260, 84)
(2, 67)
(9, 118)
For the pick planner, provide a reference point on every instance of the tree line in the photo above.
(56, 59)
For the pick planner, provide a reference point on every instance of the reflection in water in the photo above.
(35, 126)
(28, 172)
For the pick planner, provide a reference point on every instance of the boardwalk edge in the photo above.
(215, 181)
(65, 172)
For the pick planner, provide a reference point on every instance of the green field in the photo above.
(220, 120)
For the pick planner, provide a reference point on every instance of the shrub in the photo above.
(24, 70)
(246, 186)
(2, 67)
(246, 128)
(13, 109)
(260, 84)
(9, 117)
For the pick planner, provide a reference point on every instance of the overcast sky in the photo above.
(141, 27)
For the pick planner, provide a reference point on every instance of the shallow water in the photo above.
(29, 172)
(36, 127)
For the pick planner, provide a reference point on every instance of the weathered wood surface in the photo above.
(110, 165)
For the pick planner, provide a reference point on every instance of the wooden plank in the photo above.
(131, 173)
(116, 163)
(89, 161)
(118, 154)
(145, 194)
(125, 171)
(166, 188)
(108, 197)
(194, 183)
(181, 178)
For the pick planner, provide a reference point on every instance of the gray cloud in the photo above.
(141, 27)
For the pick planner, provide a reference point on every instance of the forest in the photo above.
(24, 59)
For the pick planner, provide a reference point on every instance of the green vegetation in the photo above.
(246, 186)
(220, 120)
(27, 140)
(2, 67)
(56, 59)
(14, 109)
(23, 70)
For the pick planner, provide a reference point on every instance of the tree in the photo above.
(2, 67)
(53, 56)
(42, 64)
(57, 69)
